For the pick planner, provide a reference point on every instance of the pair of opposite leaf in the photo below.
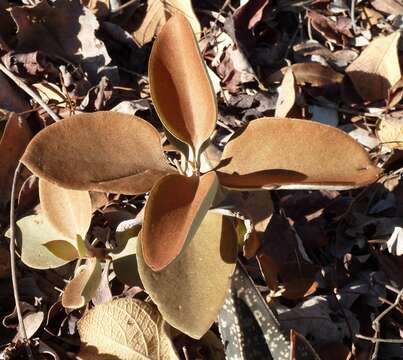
(119, 153)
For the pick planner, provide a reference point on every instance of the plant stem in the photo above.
(21, 326)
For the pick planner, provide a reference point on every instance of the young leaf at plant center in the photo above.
(190, 291)
(157, 14)
(179, 85)
(377, 69)
(34, 231)
(247, 326)
(62, 249)
(82, 287)
(124, 329)
(294, 154)
(98, 151)
(69, 211)
(175, 208)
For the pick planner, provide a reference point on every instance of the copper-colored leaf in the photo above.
(69, 211)
(294, 154)
(190, 291)
(377, 69)
(82, 287)
(179, 84)
(157, 14)
(103, 151)
(174, 210)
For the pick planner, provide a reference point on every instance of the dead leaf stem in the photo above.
(29, 91)
(21, 326)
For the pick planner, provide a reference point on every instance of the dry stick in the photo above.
(29, 91)
(13, 263)
(376, 324)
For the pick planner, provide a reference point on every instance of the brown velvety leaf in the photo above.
(179, 84)
(15, 139)
(174, 210)
(157, 14)
(294, 154)
(124, 329)
(190, 291)
(377, 69)
(82, 287)
(68, 211)
(309, 73)
(103, 151)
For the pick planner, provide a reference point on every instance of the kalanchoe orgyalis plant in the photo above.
(185, 253)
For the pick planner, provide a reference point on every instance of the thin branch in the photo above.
(125, 5)
(379, 340)
(29, 91)
(21, 325)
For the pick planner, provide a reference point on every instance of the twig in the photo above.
(124, 6)
(13, 263)
(29, 91)
(376, 325)
(352, 13)
(379, 340)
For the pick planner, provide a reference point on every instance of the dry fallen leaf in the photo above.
(174, 210)
(286, 94)
(190, 291)
(157, 14)
(390, 133)
(124, 329)
(68, 211)
(64, 28)
(180, 87)
(14, 140)
(98, 164)
(377, 69)
(264, 154)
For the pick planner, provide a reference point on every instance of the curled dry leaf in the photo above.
(33, 233)
(111, 161)
(179, 85)
(157, 14)
(263, 155)
(377, 69)
(14, 140)
(68, 211)
(83, 286)
(124, 329)
(286, 94)
(309, 73)
(190, 291)
(174, 210)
